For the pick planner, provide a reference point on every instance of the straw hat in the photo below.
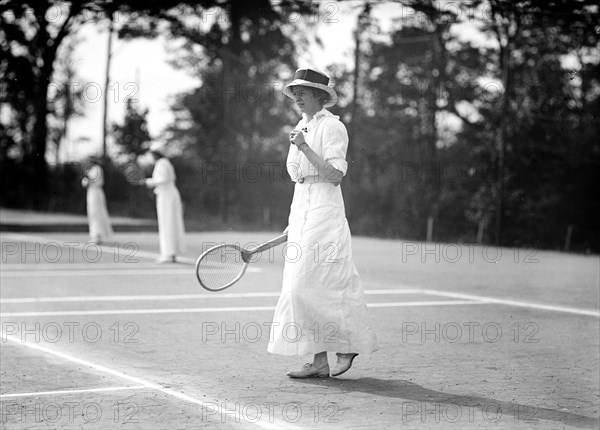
(313, 79)
(157, 147)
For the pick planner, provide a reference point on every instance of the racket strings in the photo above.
(220, 266)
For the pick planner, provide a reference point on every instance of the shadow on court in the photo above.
(416, 396)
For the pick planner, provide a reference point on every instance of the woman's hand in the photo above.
(297, 137)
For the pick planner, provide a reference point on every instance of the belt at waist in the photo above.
(309, 180)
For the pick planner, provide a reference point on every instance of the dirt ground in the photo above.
(470, 337)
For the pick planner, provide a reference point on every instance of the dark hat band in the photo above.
(311, 76)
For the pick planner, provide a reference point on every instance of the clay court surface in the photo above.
(470, 337)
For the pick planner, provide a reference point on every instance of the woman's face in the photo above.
(306, 100)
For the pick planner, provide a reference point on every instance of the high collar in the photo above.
(322, 113)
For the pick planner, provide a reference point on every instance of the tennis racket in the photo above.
(222, 266)
(134, 174)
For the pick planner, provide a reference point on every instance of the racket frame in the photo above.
(229, 284)
(246, 255)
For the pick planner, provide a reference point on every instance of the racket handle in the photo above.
(268, 245)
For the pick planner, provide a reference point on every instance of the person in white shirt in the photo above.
(99, 222)
(169, 208)
(322, 306)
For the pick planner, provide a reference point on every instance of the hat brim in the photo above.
(95, 159)
(157, 148)
(333, 98)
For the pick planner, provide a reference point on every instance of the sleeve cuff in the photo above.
(339, 163)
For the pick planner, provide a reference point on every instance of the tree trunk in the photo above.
(353, 126)
(501, 135)
(45, 48)
(37, 158)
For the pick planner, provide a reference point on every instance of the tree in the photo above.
(540, 145)
(406, 91)
(31, 32)
(132, 136)
(521, 152)
(65, 98)
(30, 38)
(236, 116)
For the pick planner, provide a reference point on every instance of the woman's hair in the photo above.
(320, 95)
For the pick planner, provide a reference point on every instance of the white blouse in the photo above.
(163, 175)
(327, 137)
(94, 177)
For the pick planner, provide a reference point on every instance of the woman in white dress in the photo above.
(98, 219)
(168, 206)
(322, 306)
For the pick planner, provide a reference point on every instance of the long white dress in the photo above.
(322, 305)
(97, 213)
(168, 208)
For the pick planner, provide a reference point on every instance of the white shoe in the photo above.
(344, 363)
(163, 260)
(310, 371)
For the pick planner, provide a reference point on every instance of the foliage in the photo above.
(497, 140)
(65, 96)
(132, 136)
(236, 117)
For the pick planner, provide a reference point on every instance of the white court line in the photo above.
(161, 297)
(108, 272)
(135, 311)
(216, 406)
(90, 390)
(26, 267)
(134, 298)
(416, 290)
(109, 249)
(78, 245)
(223, 309)
(424, 303)
(518, 303)
(483, 299)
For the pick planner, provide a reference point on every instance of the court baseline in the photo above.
(143, 383)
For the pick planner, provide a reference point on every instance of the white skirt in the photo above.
(97, 214)
(322, 305)
(171, 228)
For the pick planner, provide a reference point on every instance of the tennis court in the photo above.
(470, 337)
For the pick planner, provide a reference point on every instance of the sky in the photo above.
(140, 70)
